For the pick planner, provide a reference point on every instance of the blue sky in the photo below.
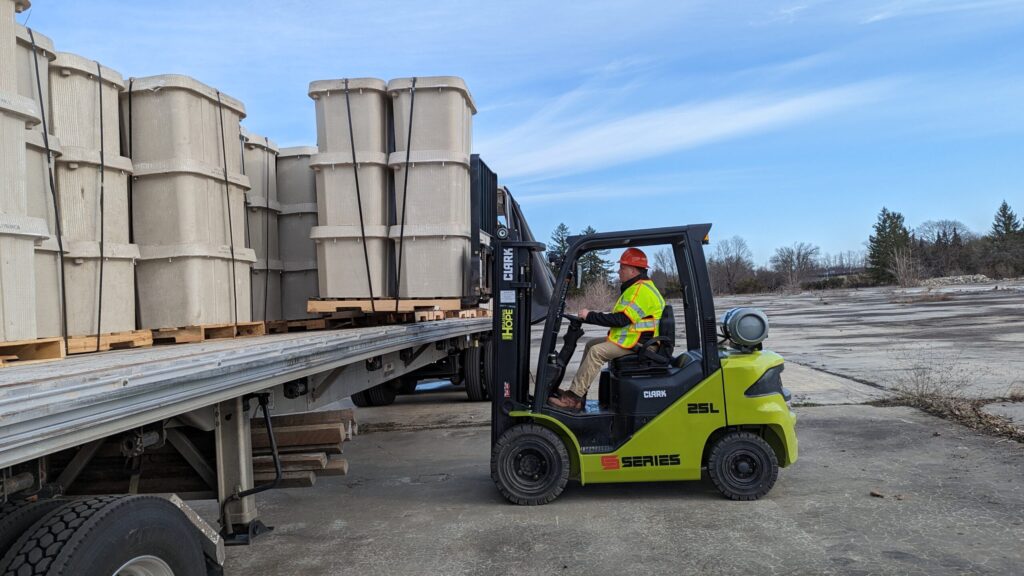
(776, 121)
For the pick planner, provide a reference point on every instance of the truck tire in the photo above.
(530, 465)
(382, 394)
(408, 385)
(17, 517)
(109, 535)
(488, 368)
(361, 399)
(472, 370)
(743, 466)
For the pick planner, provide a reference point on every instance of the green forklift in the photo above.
(662, 413)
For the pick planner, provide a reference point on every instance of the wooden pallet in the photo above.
(31, 351)
(307, 325)
(327, 306)
(111, 341)
(204, 332)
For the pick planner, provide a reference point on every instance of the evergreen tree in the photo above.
(1006, 243)
(557, 247)
(595, 267)
(891, 237)
(1006, 223)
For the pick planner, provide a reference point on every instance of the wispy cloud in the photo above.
(544, 147)
(906, 8)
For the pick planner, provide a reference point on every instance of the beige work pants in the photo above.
(599, 351)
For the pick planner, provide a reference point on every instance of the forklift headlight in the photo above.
(769, 383)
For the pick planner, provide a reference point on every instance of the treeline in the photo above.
(895, 254)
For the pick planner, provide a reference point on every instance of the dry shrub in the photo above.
(599, 296)
(936, 386)
(921, 298)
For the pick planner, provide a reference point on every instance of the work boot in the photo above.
(567, 401)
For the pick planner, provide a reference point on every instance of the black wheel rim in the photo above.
(531, 466)
(744, 468)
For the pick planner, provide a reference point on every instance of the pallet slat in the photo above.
(111, 341)
(31, 351)
(291, 462)
(314, 434)
(302, 479)
(202, 332)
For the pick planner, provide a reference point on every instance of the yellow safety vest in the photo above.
(643, 304)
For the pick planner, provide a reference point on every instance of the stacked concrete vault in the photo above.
(19, 232)
(260, 161)
(296, 189)
(345, 218)
(33, 69)
(432, 184)
(92, 192)
(188, 202)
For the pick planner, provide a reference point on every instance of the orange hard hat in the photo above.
(634, 257)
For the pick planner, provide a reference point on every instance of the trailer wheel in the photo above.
(743, 466)
(361, 399)
(473, 374)
(382, 394)
(118, 535)
(530, 465)
(17, 517)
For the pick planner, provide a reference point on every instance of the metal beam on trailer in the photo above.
(49, 407)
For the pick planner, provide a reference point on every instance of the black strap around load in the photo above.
(53, 193)
(359, 198)
(131, 209)
(266, 227)
(405, 195)
(103, 161)
(227, 198)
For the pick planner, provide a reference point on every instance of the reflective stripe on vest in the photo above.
(643, 304)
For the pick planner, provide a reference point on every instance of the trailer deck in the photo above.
(53, 406)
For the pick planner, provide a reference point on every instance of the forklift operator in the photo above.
(633, 320)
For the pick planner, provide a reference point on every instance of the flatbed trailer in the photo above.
(72, 406)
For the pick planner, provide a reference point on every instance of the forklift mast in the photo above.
(513, 304)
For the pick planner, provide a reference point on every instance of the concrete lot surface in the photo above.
(970, 335)
(876, 490)
(422, 502)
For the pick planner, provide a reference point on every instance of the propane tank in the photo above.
(745, 327)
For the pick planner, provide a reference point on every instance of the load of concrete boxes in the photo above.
(188, 202)
(19, 232)
(92, 192)
(34, 83)
(296, 189)
(260, 162)
(352, 236)
(422, 205)
(432, 195)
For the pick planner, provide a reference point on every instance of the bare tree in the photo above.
(931, 230)
(730, 264)
(904, 267)
(795, 263)
(664, 272)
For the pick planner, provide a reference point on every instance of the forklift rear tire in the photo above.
(530, 465)
(382, 394)
(472, 370)
(361, 399)
(109, 535)
(743, 466)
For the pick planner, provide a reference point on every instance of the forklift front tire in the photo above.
(530, 465)
(743, 466)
